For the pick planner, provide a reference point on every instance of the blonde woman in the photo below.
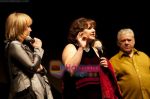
(25, 62)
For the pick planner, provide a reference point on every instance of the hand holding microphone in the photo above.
(35, 42)
(103, 60)
(29, 39)
(100, 51)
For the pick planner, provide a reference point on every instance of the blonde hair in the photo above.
(15, 25)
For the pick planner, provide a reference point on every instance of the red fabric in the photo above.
(108, 83)
(87, 81)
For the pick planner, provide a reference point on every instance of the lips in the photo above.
(93, 35)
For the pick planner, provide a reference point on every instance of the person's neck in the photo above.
(20, 39)
(87, 48)
(130, 54)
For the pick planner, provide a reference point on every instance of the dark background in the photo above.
(51, 21)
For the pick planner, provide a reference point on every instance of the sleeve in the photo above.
(18, 53)
(39, 51)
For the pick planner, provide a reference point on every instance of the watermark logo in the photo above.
(57, 69)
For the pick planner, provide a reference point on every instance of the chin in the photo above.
(92, 38)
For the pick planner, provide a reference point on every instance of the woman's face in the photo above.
(26, 33)
(89, 33)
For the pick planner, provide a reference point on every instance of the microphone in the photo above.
(100, 51)
(29, 39)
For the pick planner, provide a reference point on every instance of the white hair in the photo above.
(125, 31)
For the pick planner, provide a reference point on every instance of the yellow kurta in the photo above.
(133, 74)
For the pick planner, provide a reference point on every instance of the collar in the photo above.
(122, 54)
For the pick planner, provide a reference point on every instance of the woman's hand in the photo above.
(103, 62)
(40, 68)
(37, 43)
(82, 39)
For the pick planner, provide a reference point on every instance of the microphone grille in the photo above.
(100, 49)
(29, 39)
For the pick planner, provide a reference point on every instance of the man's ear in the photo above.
(118, 44)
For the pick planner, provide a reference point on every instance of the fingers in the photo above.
(84, 38)
(37, 39)
(103, 62)
(81, 36)
(37, 43)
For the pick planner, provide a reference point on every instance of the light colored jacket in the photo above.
(23, 63)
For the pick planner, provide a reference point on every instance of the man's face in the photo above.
(126, 42)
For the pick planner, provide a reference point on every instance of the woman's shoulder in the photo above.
(70, 45)
(15, 43)
(70, 48)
